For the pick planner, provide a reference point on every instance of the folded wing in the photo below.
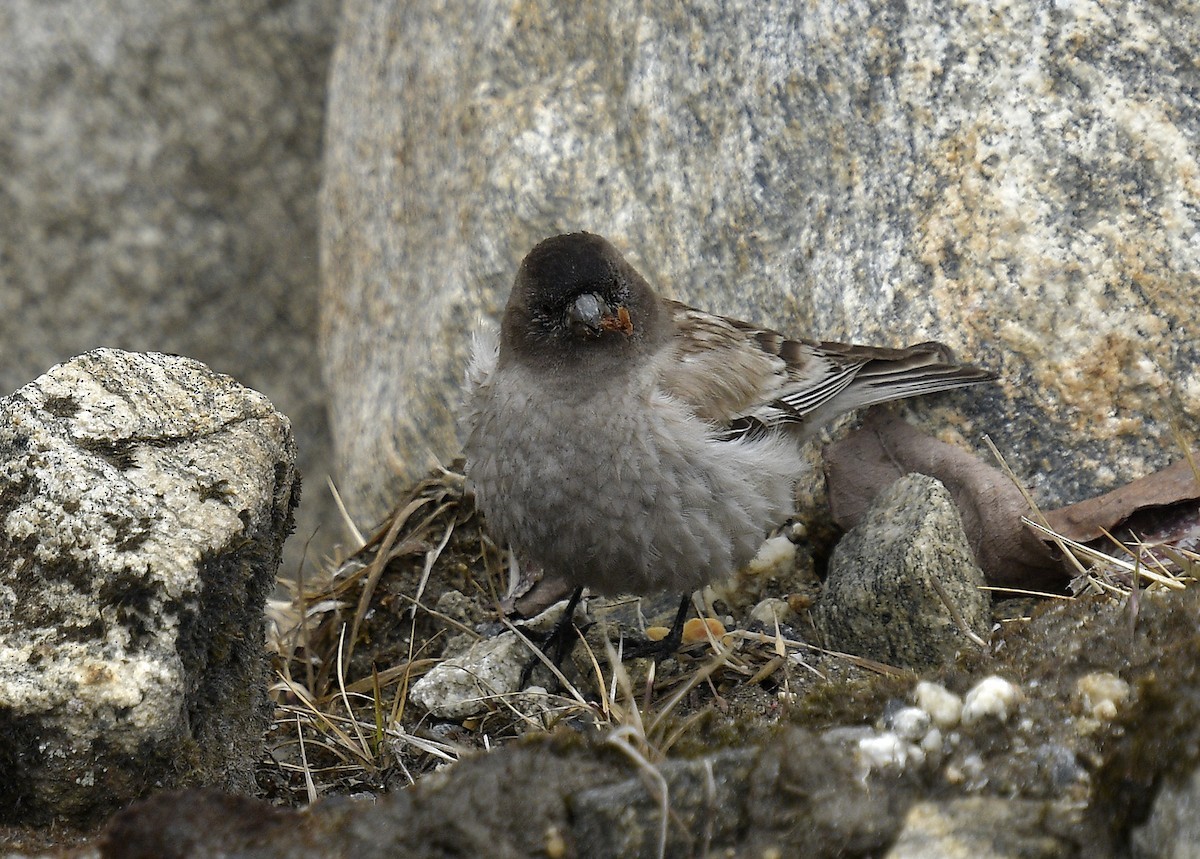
(745, 379)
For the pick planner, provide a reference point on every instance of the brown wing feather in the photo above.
(719, 366)
(739, 375)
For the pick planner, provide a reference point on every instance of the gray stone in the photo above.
(476, 681)
(707, 799)
(1015, 180)
(159, 168)
(558, 795)
(891, 577)
(144, 501)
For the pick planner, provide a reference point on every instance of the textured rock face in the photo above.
(144, 501)
(1013, 180)
(159, 166)
(903, 586)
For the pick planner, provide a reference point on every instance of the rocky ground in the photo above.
(1070, 730)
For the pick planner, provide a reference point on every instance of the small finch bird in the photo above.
(632, 444)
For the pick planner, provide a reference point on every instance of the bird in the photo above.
(632, 444)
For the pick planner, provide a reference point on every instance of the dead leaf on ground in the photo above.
(1161, 511)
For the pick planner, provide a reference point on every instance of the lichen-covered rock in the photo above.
(144, 501)
(891, 577)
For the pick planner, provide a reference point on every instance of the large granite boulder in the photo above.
(1018, 181)
(159, 167)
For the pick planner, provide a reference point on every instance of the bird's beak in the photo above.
(588, 313)
(593, 314)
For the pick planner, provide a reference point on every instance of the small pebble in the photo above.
(1101, 694)
(699, 629)
(888, 751)
(800, 602)
(555, 845)
(992, 697)
(942, 705)
(770, 611)
(910, 723)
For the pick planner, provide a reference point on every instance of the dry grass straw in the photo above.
(1150, 566)
(343, 722)
(344, 730)
(355, 723)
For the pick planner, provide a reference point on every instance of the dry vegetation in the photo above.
(353, 639)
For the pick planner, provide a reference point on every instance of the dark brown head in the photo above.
(576, 302)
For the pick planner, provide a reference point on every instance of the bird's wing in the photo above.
(714, 365)
(742, 378)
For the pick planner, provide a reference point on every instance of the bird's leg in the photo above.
(667, 645)
(562, 637)
(559, 641)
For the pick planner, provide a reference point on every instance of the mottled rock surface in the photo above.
(159, 167)
(559, 796)
(978, 828)
(1173, 829)
(1019, 181)
(144, 501)
(903, 586)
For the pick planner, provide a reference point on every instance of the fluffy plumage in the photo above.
(633, 444)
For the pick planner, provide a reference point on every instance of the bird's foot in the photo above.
(557, 643)
(665, 646)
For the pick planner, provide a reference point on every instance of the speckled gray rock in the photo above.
(159, 167)
(1016, 180)
(144, 501)
(475, 681)
(881, 597)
